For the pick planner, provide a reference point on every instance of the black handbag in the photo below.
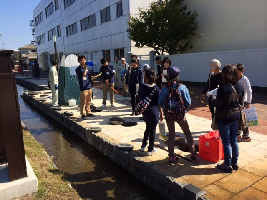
(243, 119)
(143, 104)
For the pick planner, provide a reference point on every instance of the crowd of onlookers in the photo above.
(162, 96)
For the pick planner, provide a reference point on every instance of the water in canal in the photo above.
(92, 174)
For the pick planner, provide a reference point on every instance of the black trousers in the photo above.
(211, 107)
(134, 97)
(149, 134)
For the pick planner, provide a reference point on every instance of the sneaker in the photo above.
(235, 167)
(225, 168)
(244, 139)
(103, 106)
(173, 160)
(194, 156)
(143, 148)
(150, 153)
(112, 105)
(90, 115)
(239, 137)
(132, 114)
(83, 116)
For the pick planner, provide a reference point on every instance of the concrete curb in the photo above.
(29, 85)
(163, 185)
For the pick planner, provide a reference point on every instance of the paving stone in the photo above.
(262, 145)
(237, 181)
(258, 167)
(216, 192)
(261, 185)
(203, 177)
(250, 193)
(253, 154)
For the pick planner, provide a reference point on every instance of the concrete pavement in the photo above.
(248, 182)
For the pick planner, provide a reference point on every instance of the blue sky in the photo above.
(15, 16)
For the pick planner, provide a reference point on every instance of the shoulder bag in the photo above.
(243, 120)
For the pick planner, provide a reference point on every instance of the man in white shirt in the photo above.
(247, 101)
(53, 78)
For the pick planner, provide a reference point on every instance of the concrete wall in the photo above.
(229, 25)
(194, 66)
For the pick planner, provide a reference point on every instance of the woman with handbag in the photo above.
(229, 98)
(151, 114)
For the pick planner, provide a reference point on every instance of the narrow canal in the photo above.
(92, 174)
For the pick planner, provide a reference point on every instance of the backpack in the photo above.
(174, 106)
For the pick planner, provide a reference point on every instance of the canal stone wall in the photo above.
(165, 186)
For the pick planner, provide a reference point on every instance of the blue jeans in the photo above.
(228, 133)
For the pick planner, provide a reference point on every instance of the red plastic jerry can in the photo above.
(210, 147)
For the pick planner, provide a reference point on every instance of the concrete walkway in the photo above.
(247, 183)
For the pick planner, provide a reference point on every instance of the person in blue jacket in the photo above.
(85, 83)
(134, 77)
(179, 116)
(107, 75)
(151, 114)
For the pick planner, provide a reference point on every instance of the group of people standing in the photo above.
(170, 99)
(234, 93)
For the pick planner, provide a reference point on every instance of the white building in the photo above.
(94, 28)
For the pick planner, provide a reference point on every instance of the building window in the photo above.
(119, 12)
(51, 33)
(106, 54)
(39, 19)
(119, 53)
(68, 3)
(88, 22)
(105, 15)
(49, 10)
(71, 29)
(56, 5)
(58, 31)
(41, 39)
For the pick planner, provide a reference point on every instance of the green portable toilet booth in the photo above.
(68, 81)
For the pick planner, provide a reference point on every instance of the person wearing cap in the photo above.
(134, 77)
(215, 79)
(107, 75)
(159, 68)
(125, 67)
(118, 69)
(178, 115)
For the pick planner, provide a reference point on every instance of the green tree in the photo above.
(165, 27)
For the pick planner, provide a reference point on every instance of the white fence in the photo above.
(194, 66)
